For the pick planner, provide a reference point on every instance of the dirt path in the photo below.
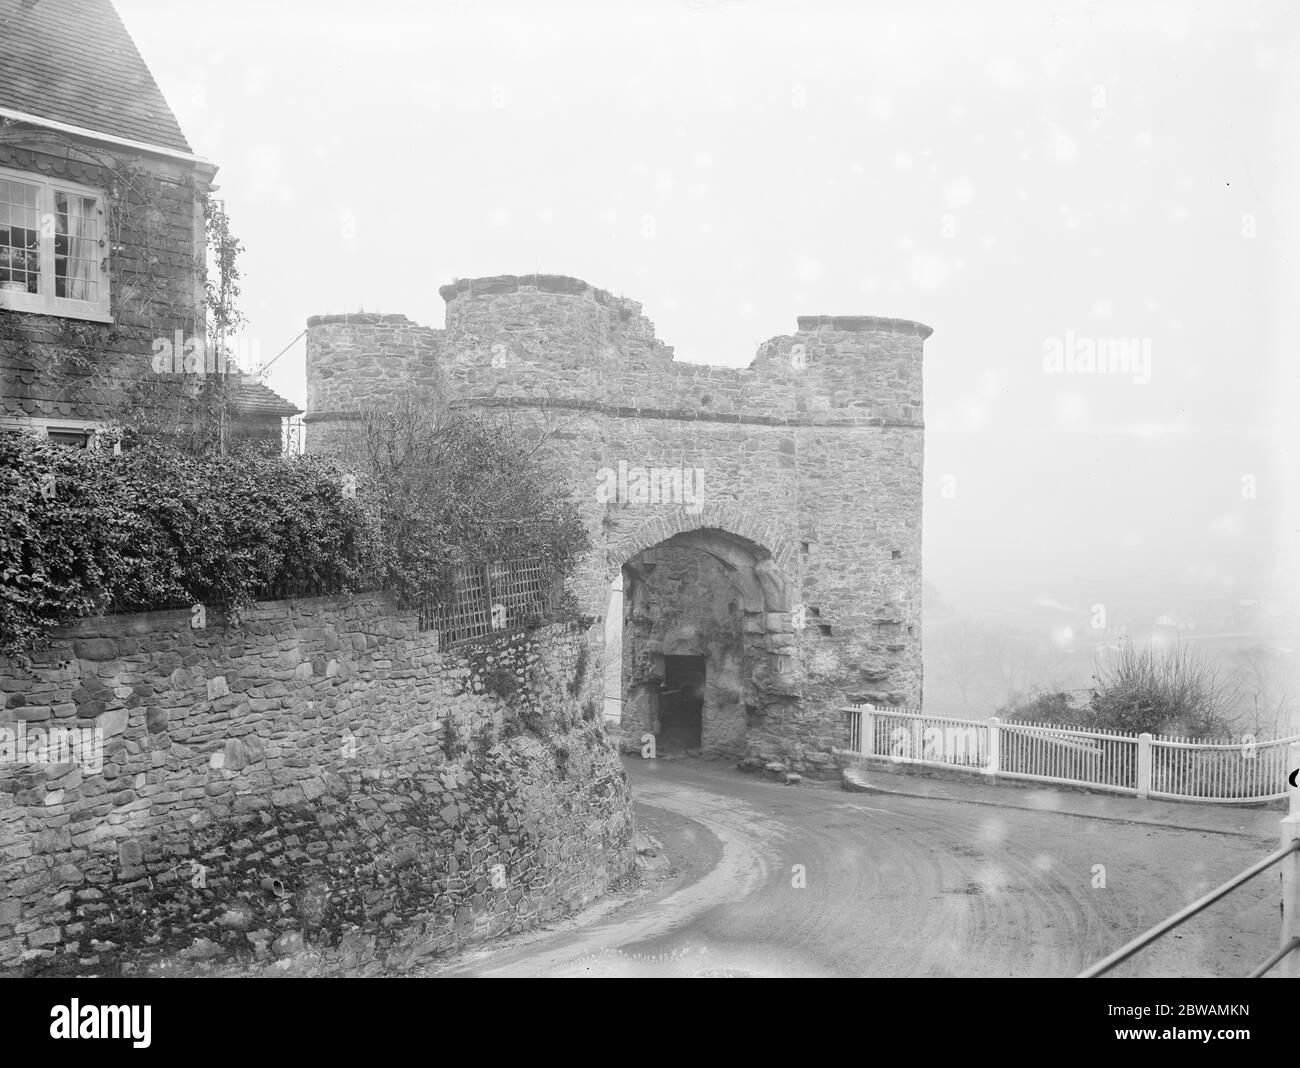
(901, 886)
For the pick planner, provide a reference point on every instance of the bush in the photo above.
(451, 488)
(1054, 708)
(70, 539)
(86, 531)
(1171, 691)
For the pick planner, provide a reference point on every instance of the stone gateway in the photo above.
(756, 531)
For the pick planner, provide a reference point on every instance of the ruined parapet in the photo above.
(361, 361)
(521, 340)
(558, 340)
(847, 369)
(542, 337)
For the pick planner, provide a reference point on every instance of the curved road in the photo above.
(898, 886)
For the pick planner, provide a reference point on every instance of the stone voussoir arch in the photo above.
(727, 519)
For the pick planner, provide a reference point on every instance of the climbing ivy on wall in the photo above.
(86, 531)
(153, 264)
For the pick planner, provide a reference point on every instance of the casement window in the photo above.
(53, 248)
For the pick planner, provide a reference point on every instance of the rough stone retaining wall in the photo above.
(314, 775)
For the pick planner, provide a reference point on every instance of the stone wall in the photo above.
(364, 360)
(811, 464)
(314, 774)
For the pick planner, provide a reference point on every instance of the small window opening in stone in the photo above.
(897, 554)
(825, 628)
(813, 611)
(911, 630)
(804, 546)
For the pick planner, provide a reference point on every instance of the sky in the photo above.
(1031, 180)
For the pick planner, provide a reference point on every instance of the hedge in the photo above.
(87, 531)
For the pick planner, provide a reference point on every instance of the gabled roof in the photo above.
(72, 61)
(248, 396)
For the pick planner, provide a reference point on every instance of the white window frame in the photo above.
(44, 302)
(43, 427)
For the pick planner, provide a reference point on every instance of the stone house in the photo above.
(103, 237)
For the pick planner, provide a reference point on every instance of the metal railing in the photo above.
(1183, 915)
(483, 598)
(1142, 765)
(1288, 856)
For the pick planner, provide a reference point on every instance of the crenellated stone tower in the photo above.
(798, 477)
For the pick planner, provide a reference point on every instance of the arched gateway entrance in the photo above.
(699, 639)
(721, 499)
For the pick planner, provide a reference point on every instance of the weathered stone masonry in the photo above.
(316, 773)
(152, 246)
(811, 457)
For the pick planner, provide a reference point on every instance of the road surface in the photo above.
(774, 880)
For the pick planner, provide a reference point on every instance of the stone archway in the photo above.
(696, 589)
(726, 530)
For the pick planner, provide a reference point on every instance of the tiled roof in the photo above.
(249, 397)
(72, 61)
(24, 391)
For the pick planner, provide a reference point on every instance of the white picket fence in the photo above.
(1144, 765)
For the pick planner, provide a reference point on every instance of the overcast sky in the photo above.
(1019, 177)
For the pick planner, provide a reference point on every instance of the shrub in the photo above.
(251, 525)
(70, 539)
(451, 488)
(1044, 708)
(1164, 691)
(86, 531)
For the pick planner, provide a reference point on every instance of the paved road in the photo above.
(900, 886)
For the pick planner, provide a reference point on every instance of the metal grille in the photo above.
(485, 598)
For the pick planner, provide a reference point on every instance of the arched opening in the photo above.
(707, 642)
